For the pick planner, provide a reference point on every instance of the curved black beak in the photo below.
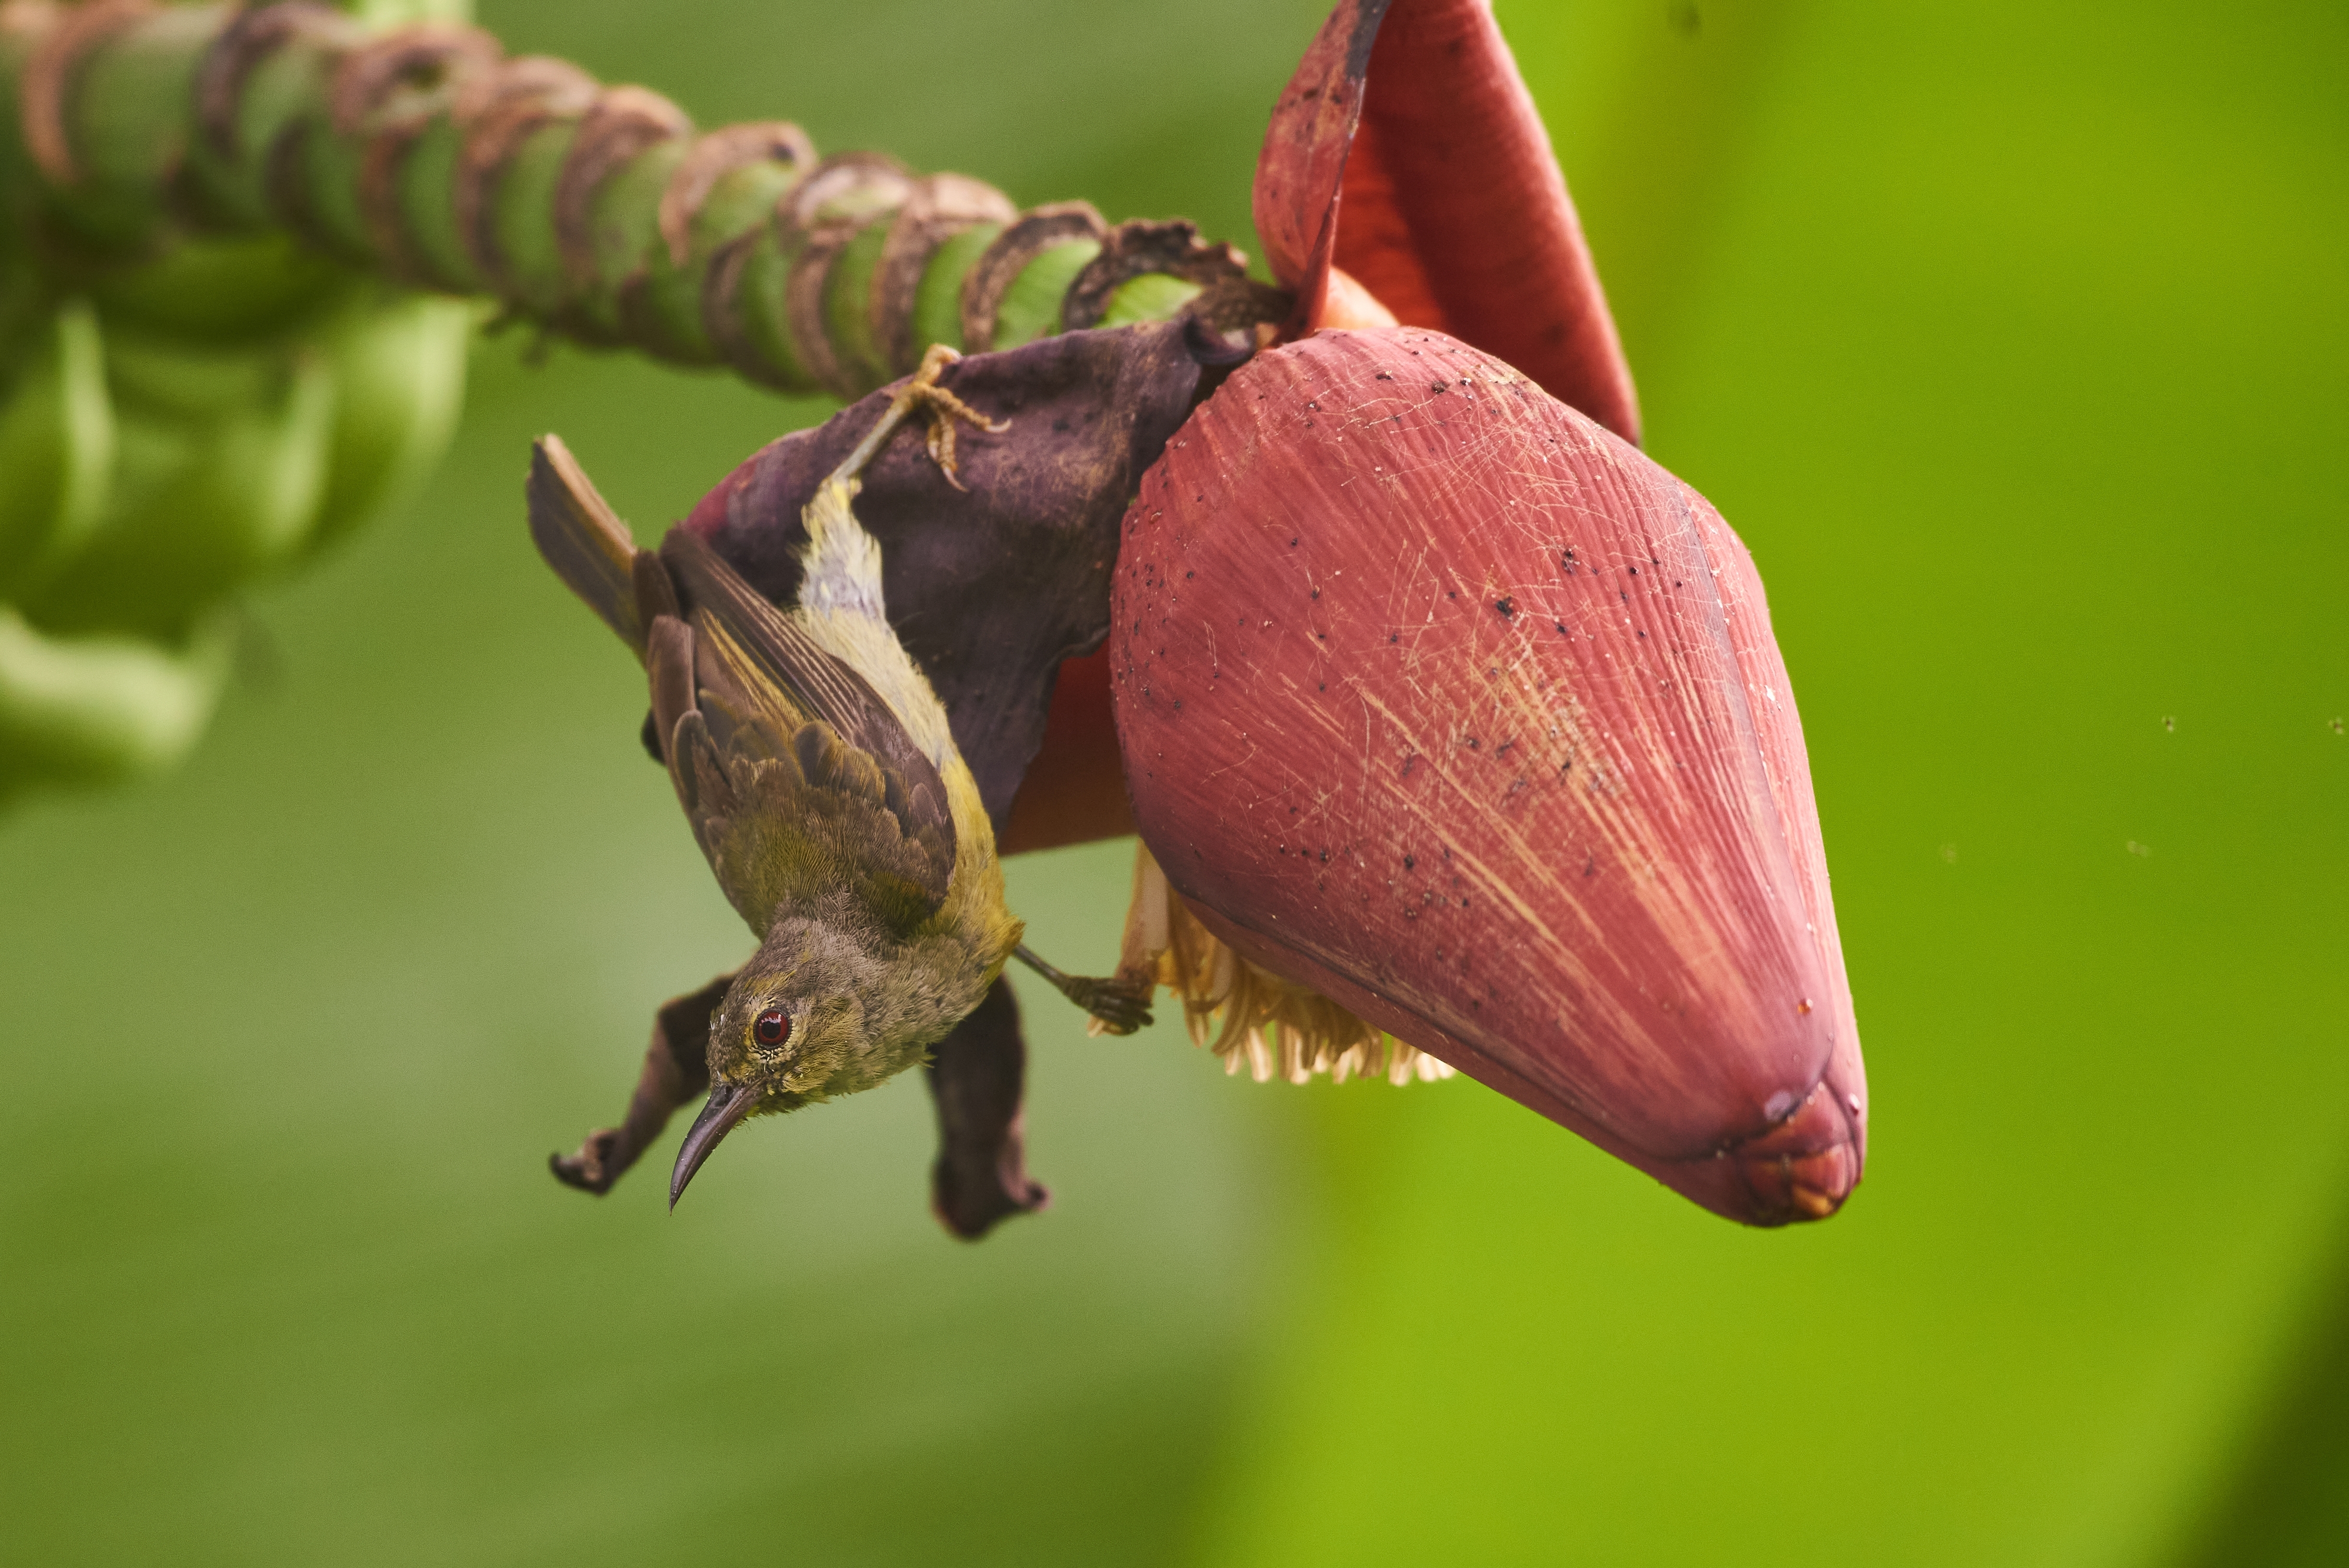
(729, 1103)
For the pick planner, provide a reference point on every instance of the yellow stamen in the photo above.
(1275, 1025)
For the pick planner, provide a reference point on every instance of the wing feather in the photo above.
(779, 648)
(799, 780)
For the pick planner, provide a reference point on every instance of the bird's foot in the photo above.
(592, 1168)
(941, 407)
(1118, 1006)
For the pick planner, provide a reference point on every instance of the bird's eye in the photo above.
(773, 1027)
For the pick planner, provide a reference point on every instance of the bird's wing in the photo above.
(799, 782)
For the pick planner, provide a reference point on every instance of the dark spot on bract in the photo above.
(1506, 605)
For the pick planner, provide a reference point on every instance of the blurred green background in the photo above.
(2011, 337)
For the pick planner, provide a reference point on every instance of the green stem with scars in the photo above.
(426, 155)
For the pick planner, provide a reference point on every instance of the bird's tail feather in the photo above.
(582, 539)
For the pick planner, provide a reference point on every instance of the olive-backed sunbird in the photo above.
(817, 770)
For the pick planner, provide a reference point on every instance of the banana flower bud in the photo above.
(1441, 701)
(1454, 722)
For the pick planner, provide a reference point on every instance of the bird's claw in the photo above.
(1117, 1008)
(944, 408)
(591, 1168)
(923, 393)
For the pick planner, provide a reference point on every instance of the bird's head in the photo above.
(795, 1027)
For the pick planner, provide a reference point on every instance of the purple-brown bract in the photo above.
(1438, 697)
